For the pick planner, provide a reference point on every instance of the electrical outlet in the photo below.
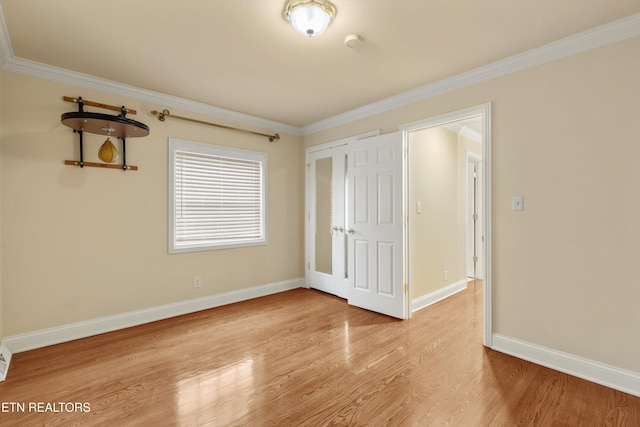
(445, 275)
(517, 203)
(197, 282)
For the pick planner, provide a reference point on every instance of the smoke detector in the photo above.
(353, 40)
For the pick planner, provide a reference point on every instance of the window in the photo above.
(217, 197)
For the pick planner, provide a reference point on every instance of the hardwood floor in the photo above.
(302, 358)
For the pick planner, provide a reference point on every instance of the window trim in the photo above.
(176, 144)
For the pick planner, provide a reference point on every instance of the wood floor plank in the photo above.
(305, 358)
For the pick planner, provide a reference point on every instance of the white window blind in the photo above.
(217, 197)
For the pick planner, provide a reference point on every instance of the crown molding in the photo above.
(612, 32)
(9, 62)
(61, 75)
(466, 131)
(471, 134)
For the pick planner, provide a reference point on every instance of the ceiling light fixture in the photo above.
(309, 17)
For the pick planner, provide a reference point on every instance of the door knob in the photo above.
(341, 229)
(351, 231)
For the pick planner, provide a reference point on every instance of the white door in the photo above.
(375, 225)
(475, 240)
(327, 264)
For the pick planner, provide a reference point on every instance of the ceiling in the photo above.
(242, 56)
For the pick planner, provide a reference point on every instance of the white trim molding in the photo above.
(73, 331)
(603, 35)
(465, 131)
(610, 33)
(9, 62)
(86, 81)
(599, 373)
(436, 296)
(5, 361)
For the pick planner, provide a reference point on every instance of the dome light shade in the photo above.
(309, 17)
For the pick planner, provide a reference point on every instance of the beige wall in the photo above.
(1, 210)
(564, 269)
(80, 244)
(434, 239)
(565, 272)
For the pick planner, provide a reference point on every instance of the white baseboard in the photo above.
(5, 360)
(73, 331)
(435, 296)
(600, 373)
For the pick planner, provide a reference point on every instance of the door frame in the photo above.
(308, 192)
(483, 111)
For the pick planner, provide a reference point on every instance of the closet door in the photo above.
(327, 248)
(375, 226)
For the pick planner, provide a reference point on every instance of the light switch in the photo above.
(418, 207)
(517, 203)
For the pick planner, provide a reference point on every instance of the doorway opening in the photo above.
(361, 186)
(448, 206)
